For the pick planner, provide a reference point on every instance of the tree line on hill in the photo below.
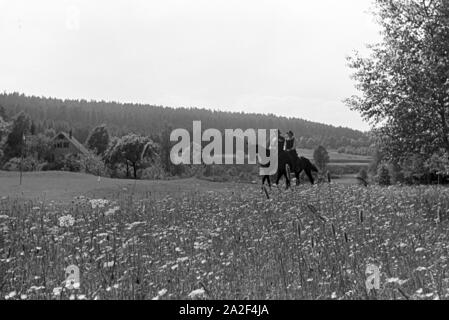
(82, 116)
(24, 147)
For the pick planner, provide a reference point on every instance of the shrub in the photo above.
(383, 175)
(71, 163)
(155, 172)
(28, 164)
(363, 174)
(93, 164)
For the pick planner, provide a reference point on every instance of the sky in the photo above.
(286, 57)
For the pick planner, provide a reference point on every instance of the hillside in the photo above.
(81, 116)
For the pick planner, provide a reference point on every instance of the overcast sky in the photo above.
(267, 56)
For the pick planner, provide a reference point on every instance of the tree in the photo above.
(50, 133)
(147, 120)
(321, 157)
(4, 128)
(363, 174)
(404, 82)
(383, 175)
(33, 128)
(39, 146)
(166, 145)
(112, 157)
(98, 139)
(438, 163)
(2, 113)
(413, 168)
(15, 140)
(134, 150)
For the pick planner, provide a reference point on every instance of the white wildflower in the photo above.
(197, 294)
(162, 292)
(98, 203)
(66, 221)
(57, 291)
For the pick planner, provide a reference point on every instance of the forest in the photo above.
(82, 116)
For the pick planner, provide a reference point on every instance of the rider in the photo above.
(290, 145)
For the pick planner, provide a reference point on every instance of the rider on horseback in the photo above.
(290, 145)
(281, 141)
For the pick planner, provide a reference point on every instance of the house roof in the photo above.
(75, 142)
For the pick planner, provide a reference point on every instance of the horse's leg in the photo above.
(309, 174)
(266, 178)
(287, 180)
(280, 173)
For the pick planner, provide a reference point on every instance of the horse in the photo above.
(288, 161)
(304, 164)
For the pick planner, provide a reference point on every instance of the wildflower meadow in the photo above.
(305, 243)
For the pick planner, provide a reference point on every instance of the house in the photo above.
(65, 143)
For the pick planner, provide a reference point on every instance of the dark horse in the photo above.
(295, 164)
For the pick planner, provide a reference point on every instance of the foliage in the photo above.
(413, 167)
(27, 164)
(383, 175)
(71, 162)
(438, 163)
(39, 146)
(4, 128)
(98, 139)
(147, 120)
(92, 164)
(133, 150)
(404, 82)
(3, 113)
(15, 140)
(4, 131)
(363, 174)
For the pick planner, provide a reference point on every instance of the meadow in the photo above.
(232, 242)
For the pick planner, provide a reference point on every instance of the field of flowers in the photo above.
(307, 243)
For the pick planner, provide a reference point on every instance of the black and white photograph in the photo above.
(203, 151)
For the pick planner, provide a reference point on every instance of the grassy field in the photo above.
(336, 157)
(228, 242)
(342, 164)
(64, 186)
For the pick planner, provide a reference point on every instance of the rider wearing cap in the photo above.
(290, 144)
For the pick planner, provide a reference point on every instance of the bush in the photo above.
(70, 162)
(155, 172)
(363, 174)
(93, 164)
(28, 164)
(383, 175)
